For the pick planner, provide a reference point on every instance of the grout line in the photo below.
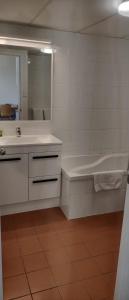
(65, 31)
(96, 23)
(21, 297)
(26, 274)
(57, 286)
(40, 11)
(71, 263)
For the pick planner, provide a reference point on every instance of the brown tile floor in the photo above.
(46, 257)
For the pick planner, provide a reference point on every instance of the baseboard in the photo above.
(29, 206)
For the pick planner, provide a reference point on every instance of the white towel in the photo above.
(107, 181)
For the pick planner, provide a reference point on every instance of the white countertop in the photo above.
(28, 140)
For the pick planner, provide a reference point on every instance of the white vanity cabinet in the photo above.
(13, 178)
(30, 173)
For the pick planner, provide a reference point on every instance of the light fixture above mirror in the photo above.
(44, 46)
(11, 41)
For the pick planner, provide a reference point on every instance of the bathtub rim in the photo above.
(73, 176)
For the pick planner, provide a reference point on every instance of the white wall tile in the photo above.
(60, 96)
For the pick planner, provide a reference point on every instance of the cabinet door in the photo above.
(13, 179)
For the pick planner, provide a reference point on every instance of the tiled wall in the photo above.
(90, 90)
(91, 95)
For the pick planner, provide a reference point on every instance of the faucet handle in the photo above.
(1, 132)
(2, 151)
(18, 131)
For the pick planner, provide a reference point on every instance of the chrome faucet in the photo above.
(18, 131)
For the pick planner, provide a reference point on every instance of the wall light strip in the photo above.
(10, 41)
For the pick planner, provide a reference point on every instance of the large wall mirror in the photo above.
(25, 84)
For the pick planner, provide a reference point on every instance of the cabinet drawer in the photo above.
(44, 187)
(44, 164)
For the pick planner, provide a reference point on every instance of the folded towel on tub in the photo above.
(107, 181)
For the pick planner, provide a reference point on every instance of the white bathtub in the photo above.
(78, 197)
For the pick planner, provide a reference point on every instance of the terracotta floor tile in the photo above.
(86, 268)
(8, 235)
(109, 298)
(74, 291)
(109, 220)
(97, 287)
(24, 298)
(52, 294)
(77, 252)
(107, 244)
(15, 287)
(29, 245)
(90, 235)
(35, 261)
(100, 233)
(40, 280)
(50, 241)
(63, 226)
(44, 229)
(55, 257)
(110, 279)
(23, 223)
(10, 249)
(13, 267)
(72, 237)
(64, 274)
(46, 216)
(7, 222)
(25, 232)
(53, 227)
(23, 220)
(107, 262)
(51, 215)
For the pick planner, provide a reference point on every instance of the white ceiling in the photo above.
(85, 16)
(115, 26)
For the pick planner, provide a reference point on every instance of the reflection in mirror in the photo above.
(9, 87)
(25, 84)
(39, 91)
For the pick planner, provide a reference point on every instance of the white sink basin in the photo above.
(29, 140)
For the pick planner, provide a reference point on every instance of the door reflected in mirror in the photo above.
(9, 87)
(39, 86)
(25, 84)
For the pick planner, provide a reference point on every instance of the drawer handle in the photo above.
(10, 159)
(46, 156)
(45, 180)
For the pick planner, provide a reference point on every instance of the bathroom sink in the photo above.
(17, 140)
(29, 140)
